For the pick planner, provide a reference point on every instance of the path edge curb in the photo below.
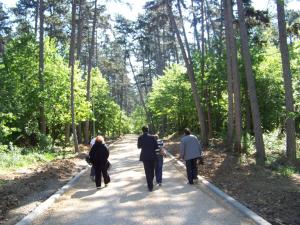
(41, 208)
(48, 202)
(228, 199)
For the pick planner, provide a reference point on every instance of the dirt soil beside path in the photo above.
(275, 198)
(27, 188)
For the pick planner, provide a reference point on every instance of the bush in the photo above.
(45, 142)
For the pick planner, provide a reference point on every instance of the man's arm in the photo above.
(139, 144)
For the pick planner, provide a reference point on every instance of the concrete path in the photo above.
(127, 201)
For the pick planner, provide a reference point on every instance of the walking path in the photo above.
(126, 199)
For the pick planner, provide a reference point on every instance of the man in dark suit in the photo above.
(148, 144)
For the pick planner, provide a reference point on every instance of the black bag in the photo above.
(108, 165)
(88, 160)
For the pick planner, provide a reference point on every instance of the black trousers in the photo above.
(149, 167)
(191, 169)
(99, 172)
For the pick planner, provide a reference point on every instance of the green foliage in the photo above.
(270, 83)
(45, 142)
(6, 119)
(287, 171)
(107, 115)
(171, 98)
(295, 62)
(139, 119)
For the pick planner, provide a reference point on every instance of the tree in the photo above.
(231, 49)
(88, 87)
(41, 68)
(287, 78)
(191, 75)
(71, 64)
(259, 143)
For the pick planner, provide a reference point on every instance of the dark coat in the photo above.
(148, 144)
(99, 154)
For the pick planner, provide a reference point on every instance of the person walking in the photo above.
(160, 154)
(99, 157)
(148, 144)
(190, 151)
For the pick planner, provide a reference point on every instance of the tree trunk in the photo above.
(259, 142)
(88, 86)
(195, 27)
(190, 72)
(71, 64)
(230, 120)
(79, 133)
(288, 87)
(36, 18)
(232, 51)
(79, 30)
(41, 69)
(140, 92)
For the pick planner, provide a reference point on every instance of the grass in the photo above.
(22, 158)
(287, 171)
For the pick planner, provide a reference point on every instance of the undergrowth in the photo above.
(12, 157)
(275, 152)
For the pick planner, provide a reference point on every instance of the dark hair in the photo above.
(187, 131)
(145, 129)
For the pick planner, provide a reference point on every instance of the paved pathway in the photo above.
(127, 201)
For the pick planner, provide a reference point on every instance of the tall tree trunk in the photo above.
(41, 69)
(230, 115)
(259, 142)
(71, 64)
(288, 87)
(187, 47)
(79, 30)
(149, 118)
(232, 50)
(195, 22)
(88, 86)
(191, 74)
(36, 18)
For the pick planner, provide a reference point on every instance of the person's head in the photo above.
(100, 139)
(187, 131)
(145, 129)
(155, 136)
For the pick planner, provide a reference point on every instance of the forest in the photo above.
(70, 70)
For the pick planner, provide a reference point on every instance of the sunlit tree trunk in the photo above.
(259, 143)
(88, 87)
(71, 64)
(41, 69)
(230, 119)
(288, 87)
(232, 51)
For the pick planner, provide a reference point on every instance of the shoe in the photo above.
(191, 183)
(159, 184)
(98, 187)
(150, 190)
